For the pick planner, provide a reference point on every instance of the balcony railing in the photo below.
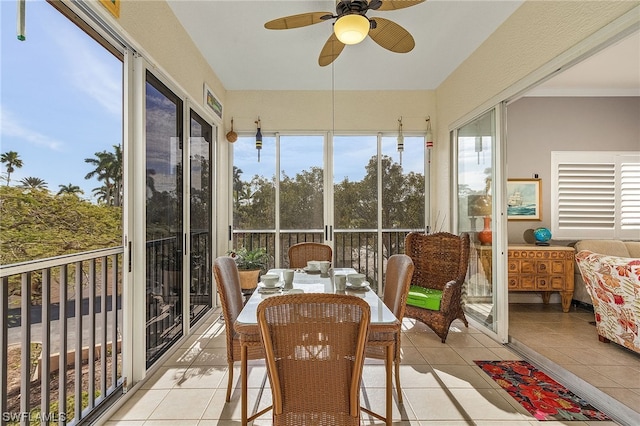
(62, 320)
(352, 249)
(60, 337)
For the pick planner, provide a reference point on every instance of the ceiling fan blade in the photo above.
(297, 21)
(375, 4)
(392, 36)
(332, 48)
(398, 4)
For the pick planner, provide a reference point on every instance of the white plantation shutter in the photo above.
(595, 194)
(630, 196)
(586, 196)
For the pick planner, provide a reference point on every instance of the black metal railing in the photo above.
(351, 249)
(60, 336)
(62, 317)
(164, 287)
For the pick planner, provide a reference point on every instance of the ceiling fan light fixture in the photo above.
(351, 28)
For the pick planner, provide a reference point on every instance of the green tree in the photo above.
(12, 161)
(108, 170)
(37, 225)
(237, 184)
(200, 193)
(301, 200)
(256, 207)
(355, 203)
(33, 183)
(70, 189)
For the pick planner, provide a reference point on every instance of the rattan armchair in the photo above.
(441, 261)
(396, 287)
(314, 346)
(227, 279)
(301, 253)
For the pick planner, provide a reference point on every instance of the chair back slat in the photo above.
(301, 253)
(438, 258)
(396, 283)
(441, 261)
(227, 279)
(314, 346)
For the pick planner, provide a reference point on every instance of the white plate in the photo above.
(263, 285)
(363, 287)
(311, 271)
(269, 290)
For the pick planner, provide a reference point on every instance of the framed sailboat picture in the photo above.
(524, 199)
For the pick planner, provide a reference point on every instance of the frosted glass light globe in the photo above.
(351, 29)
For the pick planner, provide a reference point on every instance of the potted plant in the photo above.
(250, 263)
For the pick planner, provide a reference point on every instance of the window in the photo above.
(595, 194)
(164, 204)
(349, 191)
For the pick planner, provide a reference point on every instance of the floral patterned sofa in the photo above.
(619, 248)
(613, 282)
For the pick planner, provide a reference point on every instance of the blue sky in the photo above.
(351, 155)
(61, 96)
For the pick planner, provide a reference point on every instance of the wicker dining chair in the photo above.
(314, 346)
(227, 279)
(441, 261)
(396, 287)
(301, 253)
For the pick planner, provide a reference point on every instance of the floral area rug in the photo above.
(538, 393)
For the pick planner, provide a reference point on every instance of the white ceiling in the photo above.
(614, 71)
(246, 56)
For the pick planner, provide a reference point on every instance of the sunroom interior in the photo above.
(196, 66)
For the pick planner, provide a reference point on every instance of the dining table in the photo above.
(382, 328)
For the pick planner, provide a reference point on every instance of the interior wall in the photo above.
(357, 111)
(533, 36)
(537, 126)
(164, 42)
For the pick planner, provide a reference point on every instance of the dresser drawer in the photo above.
(542, 269)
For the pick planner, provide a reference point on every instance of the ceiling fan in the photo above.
(351, 26)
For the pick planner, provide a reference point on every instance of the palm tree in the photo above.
(237, 183)
(102, 194)
(33, 183)
(108, 169)
(12, 161)
(70, 189)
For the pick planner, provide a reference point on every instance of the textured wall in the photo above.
(154, 27)
(538, 126)
(536, 33)
(319, 110)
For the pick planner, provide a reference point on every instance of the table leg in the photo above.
(546, 295)
(566, 300)
(243, 381)
(389, 391)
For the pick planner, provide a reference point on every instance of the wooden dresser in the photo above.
(544, 269)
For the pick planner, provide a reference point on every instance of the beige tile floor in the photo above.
(441, 384)
(570, 341)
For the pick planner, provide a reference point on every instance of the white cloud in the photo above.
(11, 127)
(88, 70)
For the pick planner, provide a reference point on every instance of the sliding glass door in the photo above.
(164, 223)
(200, 214)
(178, 214)
(478, 211)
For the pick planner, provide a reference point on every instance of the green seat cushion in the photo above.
(426, 298)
